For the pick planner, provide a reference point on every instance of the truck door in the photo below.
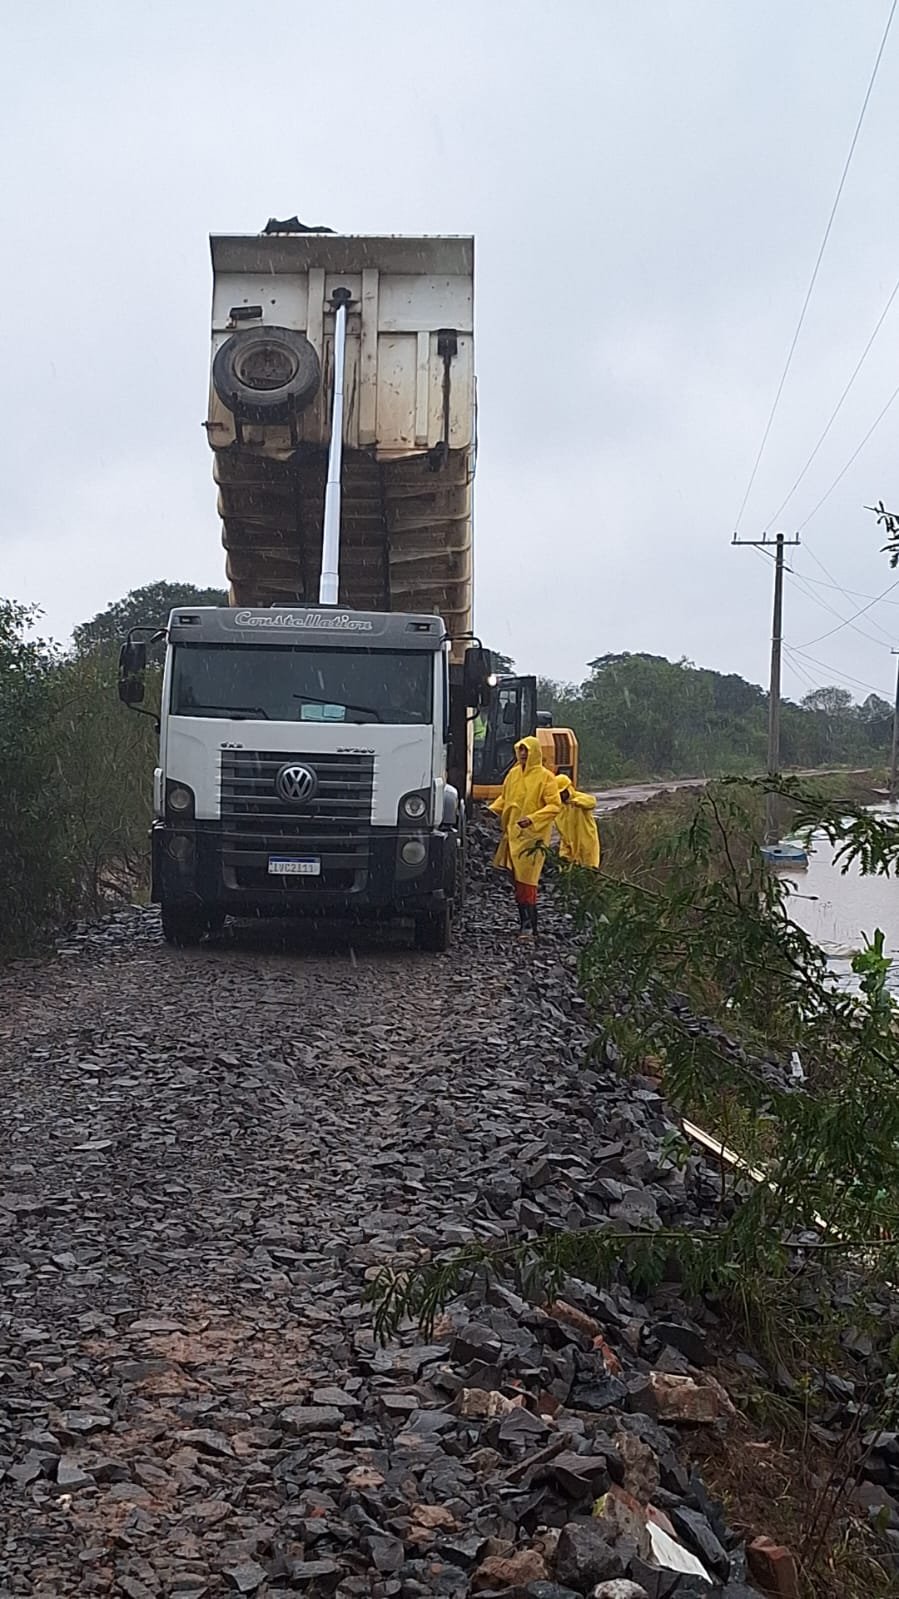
(511, 715)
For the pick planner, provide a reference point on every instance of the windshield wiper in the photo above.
(234, 711)
(313, 699)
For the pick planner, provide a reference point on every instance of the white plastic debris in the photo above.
(672, 1556)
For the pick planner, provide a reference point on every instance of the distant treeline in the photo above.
(643, 716)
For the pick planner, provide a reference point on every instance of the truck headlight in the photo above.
(181, 848)
(413, 806)
(413, 852)
(179, 800)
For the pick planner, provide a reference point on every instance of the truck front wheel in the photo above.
(434, 931)
(184, 925)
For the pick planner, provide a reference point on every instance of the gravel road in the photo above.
(206, 1153)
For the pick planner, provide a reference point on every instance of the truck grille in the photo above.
(333, 824)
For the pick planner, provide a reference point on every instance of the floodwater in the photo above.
(838, 910)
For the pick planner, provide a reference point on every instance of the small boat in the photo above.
(785, 854)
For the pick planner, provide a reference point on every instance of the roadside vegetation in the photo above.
(696, 974)
(698, 979)
(635, 836)
(75, 767)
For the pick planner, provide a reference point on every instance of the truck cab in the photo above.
(303, 768)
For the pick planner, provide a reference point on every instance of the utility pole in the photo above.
(780, 541)
(894, 759)
(777, 631)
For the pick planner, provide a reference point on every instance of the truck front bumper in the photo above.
(197, 865)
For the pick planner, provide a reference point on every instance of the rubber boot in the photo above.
(533, 911)
(523, 920)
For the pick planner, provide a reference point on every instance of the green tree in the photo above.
(874, 708)
(557, 698)
(503, 665)
(640, 715)
(75, 779)
(148, 606)
(830, 700)
(107, 755)
(38, 878)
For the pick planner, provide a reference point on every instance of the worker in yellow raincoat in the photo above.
(577, 825)
(527, 807)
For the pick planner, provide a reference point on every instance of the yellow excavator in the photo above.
(510, 715)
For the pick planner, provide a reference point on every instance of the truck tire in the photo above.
(434, 932)
(183, 925)
(262, 374)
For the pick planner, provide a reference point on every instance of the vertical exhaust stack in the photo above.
(329, 582)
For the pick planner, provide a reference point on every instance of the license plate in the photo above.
(291, 866)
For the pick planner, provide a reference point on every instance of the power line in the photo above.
(851, 594)
(757, 549)
(817, 266)
(825, 569)
(802, 581)
(797, 670)
(799, 579)
(847, 621)
(837, 671)
(809, 549)
(839, 405)
(856, 452)
(845, 677)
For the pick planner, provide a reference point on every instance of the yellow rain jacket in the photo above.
(534, 793)
(577, 826)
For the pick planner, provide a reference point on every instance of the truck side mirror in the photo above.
(476, 676)
(132, 668)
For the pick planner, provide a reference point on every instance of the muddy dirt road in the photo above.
(614, 799)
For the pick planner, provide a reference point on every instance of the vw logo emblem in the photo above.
(296, 784)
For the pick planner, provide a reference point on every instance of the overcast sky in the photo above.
(648, 183)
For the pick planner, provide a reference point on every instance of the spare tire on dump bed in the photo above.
(263, 373)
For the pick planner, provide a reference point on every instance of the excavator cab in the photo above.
(510, 715)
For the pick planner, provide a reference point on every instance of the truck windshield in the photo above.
(291, 684)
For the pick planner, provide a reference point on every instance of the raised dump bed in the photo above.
(409, 418)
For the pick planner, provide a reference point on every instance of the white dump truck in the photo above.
(408, 452)
(315, 735)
